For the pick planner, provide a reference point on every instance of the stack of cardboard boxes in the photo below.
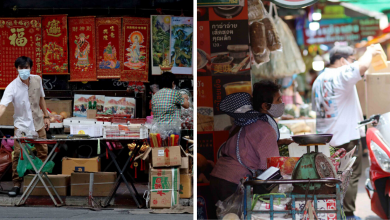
(74, 179)
(169, 176)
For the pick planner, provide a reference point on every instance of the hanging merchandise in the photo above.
(136, 53)
(292, 54)
(55, 44)
(181, 44)
(82, 49)
(109, 48)
(161, 41)
(136, 87)
(19, 37)
(285, 62)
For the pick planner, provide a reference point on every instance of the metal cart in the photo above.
(293, 211)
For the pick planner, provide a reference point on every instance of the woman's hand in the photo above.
(285, 141)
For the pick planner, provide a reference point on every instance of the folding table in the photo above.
(121, 178)
(39, 172)
(53, 152)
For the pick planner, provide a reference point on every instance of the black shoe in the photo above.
(14, 191)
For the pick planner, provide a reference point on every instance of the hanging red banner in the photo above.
(136, 53)
(19, 37)
(109, 48)
(82, 49)
(55, 44)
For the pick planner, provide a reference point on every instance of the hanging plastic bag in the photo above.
(5, 159)
(24, 164)
(259, 50)
(232, 207)
(256, 10)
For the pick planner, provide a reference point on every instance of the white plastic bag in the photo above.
(232, 206)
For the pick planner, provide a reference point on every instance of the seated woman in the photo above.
(258, 136)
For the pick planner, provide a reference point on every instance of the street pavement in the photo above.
(46, 213)
(363, 202)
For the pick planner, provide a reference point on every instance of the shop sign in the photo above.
(294, 3)
(216, 3)
(350, 29)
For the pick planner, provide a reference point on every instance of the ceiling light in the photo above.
(288, 17)
(316, 16)
(314, 26)
(318, 63)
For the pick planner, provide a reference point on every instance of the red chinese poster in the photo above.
(82, 49)
(109, 48)
(55, 44)
(19, 37)
(136, 53)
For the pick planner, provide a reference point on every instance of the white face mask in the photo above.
(276, 110)
(24, 73)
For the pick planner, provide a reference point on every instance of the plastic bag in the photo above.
(292, 54)
(259, 50)
(232, 206)
(5, 159)
(259, 204)
(256, 10)
(24, 164)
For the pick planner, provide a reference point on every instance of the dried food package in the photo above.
(272, 36)
(259, 49)
(293, 56)
(256, 10)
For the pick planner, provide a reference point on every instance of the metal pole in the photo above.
(91, 182)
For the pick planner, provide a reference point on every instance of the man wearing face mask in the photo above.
(27, 96)
(253, 139)
(167, 102)
(336, 101)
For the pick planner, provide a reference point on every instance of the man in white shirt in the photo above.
(27, 96)
(336, 102)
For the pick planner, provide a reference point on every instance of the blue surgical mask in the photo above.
(24, 73)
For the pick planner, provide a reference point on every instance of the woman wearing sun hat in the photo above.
(253, 138)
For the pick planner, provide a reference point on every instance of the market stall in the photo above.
(98, 70)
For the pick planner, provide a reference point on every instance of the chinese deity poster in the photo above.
(55, 44)
(82, 56)
(181, 44)
(136, 53)
(109, 48)
(161, 41)
(19, 37)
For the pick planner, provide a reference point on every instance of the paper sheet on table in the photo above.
(344, 162)
(295, 150)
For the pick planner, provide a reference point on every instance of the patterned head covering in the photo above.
(239, 106)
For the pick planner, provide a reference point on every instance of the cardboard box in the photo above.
(8, 116)
(185, 165)
(377, 90)
(103, 183)
(60, 106)
(361, 89)
(70, 165)
(91, 113)
(60, 183)
(378, 61)
(164, 187)
(166, 156)
(185, 186)
(285, 164)
(322, 204)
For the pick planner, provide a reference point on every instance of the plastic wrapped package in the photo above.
(279, 205)
(272, 35)
(232, 207)
(259, 50)
(187, 118)
(256, 10)
(292, 54)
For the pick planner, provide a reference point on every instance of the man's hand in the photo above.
(285, 141)
(47, 124)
